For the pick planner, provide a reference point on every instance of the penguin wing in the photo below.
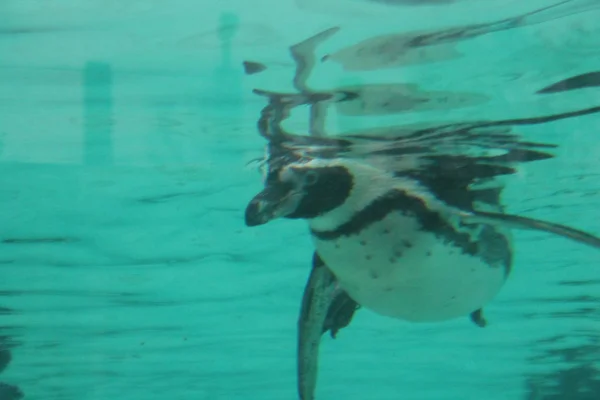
(518, 222)
(323, 308)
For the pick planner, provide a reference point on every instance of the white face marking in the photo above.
(369, 183)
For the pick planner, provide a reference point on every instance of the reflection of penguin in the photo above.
(7, 392)
(346, 123)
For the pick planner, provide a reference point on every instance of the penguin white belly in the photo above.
(409, 273)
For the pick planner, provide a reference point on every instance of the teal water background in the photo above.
(126, 270)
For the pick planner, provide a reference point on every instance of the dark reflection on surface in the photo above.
(591, 79)
(26, 30)
(281, 104)
(251, 67)
(394, 98)
(47, 240)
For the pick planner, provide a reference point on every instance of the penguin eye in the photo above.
(311, 177)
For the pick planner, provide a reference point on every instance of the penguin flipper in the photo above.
(324, 307)
(518, 222)
(478, 318)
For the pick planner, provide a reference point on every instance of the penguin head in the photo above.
(300, 189)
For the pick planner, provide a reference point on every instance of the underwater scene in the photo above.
(300, 199)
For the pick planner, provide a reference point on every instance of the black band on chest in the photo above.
(493, 247)
(393, 201)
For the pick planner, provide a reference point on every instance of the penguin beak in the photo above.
(275, 201)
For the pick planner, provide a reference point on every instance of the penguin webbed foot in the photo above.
(340, 313)
(478, 318)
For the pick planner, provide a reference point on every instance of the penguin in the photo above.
(407, 231)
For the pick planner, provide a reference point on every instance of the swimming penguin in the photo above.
(403, 227)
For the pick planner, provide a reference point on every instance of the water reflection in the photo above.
(410, 48)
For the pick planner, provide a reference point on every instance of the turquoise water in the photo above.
(126, 129)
